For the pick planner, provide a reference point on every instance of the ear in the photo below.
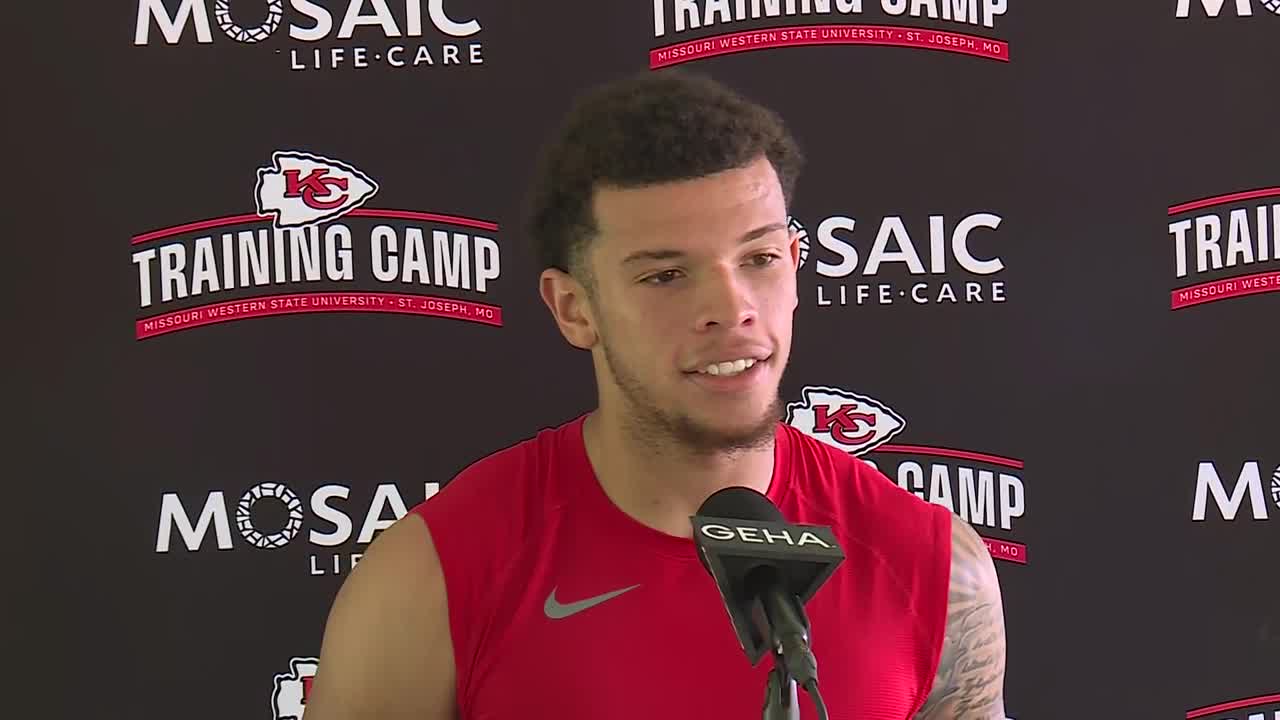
(567, 300)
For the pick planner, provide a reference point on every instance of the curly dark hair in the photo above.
(645, 128)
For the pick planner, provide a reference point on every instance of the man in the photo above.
(557, 578)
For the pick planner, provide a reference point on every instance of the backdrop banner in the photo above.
(275, 293)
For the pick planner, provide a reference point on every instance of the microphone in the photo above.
(766, 570)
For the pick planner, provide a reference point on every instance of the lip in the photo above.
(733, 383)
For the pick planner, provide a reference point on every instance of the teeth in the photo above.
(732, 367)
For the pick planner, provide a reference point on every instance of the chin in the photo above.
(746, 415)
(722, 437)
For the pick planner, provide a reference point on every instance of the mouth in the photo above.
(729, 368)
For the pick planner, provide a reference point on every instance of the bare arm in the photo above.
(970, 680)
(386, 653)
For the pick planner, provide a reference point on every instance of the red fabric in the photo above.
(531, 517)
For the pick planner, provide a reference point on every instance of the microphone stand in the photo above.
(781, 700)
(788, 629)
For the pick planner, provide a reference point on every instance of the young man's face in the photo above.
(693, 281)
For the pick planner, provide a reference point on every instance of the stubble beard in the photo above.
(660, 428)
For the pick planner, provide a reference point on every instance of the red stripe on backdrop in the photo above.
(1222, 200)
(1233, 705)
(359, 212)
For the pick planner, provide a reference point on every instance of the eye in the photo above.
(663, 278)
(765, 259)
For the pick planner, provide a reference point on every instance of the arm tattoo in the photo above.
(970, 680)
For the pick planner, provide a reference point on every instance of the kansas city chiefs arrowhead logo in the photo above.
(289, 698)
(854, 423)
(301, 189)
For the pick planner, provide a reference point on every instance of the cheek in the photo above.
(642, 328)
(652, 336)
(779, 297)
(650, 318)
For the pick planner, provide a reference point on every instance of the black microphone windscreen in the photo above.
(740, 503)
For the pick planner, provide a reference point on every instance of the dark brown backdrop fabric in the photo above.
(270, 291)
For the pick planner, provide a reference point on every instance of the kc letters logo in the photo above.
(313, 246)
(1225, 247)
(1245, 492)
(687, 30)
(273, 517)
(419, 34)
(291, 689)
(301, 189)
(985, 490)
(891, 261)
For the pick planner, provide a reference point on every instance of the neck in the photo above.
(660, 484)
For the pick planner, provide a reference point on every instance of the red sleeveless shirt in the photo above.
(562, 606)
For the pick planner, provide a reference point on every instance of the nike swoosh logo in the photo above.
(557, 611)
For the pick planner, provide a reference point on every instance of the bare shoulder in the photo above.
(386, 651)
(969, 684)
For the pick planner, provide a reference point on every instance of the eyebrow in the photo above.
(669, 254)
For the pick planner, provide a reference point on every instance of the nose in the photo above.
(723, 300)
